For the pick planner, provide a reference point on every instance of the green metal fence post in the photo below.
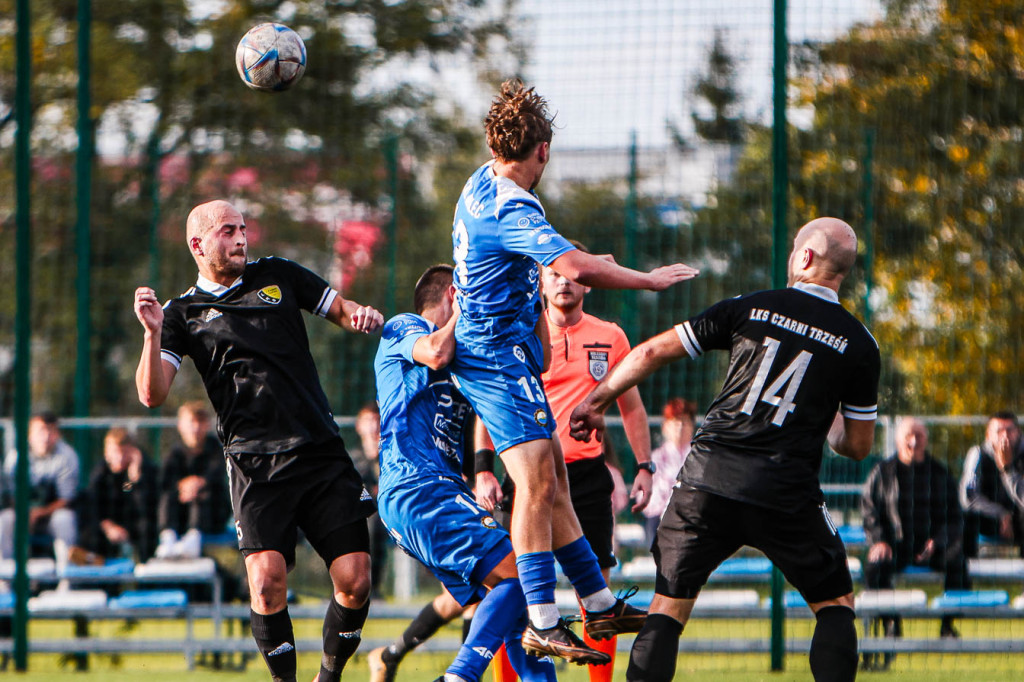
(22, 326)
(83, 233)
(629, 297)
(780, 186)
(869, 221)
(391, 155)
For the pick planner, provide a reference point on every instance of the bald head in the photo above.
(824, 251)
(911, 440)
(205, 217)
(216, 237)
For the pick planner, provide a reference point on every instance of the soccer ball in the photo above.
(270, 57)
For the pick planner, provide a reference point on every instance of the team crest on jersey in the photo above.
(541, 417)
(597, 363)
(489, 522)
(270, 294)
(518, 352)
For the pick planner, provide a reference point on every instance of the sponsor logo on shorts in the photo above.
(541, 417)
(489, 522)
(543, 238)
(365, 495)
(270, 294)
(519, 353)
(597, 363)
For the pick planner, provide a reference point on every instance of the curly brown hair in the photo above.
(517, 122)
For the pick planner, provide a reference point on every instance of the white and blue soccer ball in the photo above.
(270, 57)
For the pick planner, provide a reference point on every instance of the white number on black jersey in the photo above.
(792, 375)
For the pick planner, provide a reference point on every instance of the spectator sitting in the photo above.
(912, 518)
(121, 519)
(53, 476)
(677, 429)
(194, 498)
(987, 487)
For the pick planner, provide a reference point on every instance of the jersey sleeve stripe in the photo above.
(325, 302)
(690, 343)
(170, 357)
(860, 413)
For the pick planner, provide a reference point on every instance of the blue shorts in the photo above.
(504, 387)
(436, 520)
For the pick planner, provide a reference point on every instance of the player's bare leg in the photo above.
(604, 615)
(271, 625)
(833, 655)
(653, 657)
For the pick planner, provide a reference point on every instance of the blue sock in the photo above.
(537, 575)
(529, 668)
(500, 612)
(579, 563)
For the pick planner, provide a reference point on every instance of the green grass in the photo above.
(426, 666)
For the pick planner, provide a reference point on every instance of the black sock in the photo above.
(467, 623)
(276, 641)
(834, 645)
(655, 650)
(343, 630)
(422, 627)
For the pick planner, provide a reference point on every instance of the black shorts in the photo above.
(700, 530)
(590, 489)
(315, 488)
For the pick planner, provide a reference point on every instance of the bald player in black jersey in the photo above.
(243, 327)
(801, 369)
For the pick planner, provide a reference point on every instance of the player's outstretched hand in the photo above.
(366, 319)
(585, 420)
(148, 309)
(664, 277)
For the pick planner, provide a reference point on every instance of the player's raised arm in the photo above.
(640, 363)
(599, 272)
(354, 317)
(154, 375)
(436, 350)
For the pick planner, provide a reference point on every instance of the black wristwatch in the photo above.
(647, 466)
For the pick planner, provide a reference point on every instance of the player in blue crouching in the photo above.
(422, 499)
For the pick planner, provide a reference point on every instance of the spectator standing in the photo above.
(53, 476)
(987, 486)
(121, 509)
(677, 428)
(912, 518)
(194, 498)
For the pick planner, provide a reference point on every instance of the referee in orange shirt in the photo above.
(583, 349)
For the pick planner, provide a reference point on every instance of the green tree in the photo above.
(176, 126)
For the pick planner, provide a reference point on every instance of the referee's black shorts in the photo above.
(701, 529)
(590, 489)
(315, 488)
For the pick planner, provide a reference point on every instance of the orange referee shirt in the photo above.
(581, 356)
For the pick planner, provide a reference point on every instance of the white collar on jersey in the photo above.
(818, 290)
(214, 288)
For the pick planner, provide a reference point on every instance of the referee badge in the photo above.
(597, 363)
(270, 294)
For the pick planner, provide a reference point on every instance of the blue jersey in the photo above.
(422, 414)
(500, 236)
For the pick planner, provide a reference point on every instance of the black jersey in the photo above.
(250, 346)
(796, 357)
